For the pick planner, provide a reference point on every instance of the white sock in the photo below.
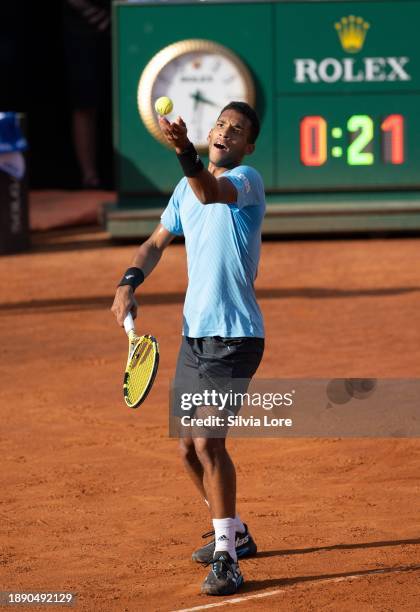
(239, 526)
(224, 535)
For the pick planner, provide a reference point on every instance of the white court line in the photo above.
(225, 602)
(236, 600)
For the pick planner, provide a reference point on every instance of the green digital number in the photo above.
(355, 154)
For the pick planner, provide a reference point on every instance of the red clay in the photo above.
(94, 498)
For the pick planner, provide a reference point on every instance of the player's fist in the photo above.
(124, 302)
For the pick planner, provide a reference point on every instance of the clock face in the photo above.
(201, 78)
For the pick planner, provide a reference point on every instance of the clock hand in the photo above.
(198, 97)
(206, 100)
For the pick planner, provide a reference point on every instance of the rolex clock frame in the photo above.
(153, 69)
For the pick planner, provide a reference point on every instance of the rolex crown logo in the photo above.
(352, 32)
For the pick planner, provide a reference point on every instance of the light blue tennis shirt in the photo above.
(223, 243)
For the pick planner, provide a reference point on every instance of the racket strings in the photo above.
(140, 370)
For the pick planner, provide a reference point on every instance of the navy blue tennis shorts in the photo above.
(211, 366)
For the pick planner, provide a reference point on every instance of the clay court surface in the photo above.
(94, 499)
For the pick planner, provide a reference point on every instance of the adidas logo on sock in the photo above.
(222, 538)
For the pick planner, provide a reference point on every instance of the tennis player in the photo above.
(219, 211)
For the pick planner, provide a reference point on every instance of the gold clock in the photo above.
(201, 77)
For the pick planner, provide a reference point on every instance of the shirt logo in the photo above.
(245, 182)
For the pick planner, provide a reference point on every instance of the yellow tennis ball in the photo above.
(164, 105)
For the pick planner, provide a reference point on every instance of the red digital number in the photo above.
(313, 141)
(393, 139)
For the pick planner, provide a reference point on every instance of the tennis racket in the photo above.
(142, 365)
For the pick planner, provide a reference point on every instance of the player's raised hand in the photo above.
(175, 133)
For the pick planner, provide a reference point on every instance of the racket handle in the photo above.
(128, 323)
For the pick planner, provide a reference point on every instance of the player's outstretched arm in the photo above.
(142, 264)
(207, 188)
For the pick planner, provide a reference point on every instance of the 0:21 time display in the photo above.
(314, 132)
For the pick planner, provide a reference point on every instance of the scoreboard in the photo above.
(348, 96)
(336, 84)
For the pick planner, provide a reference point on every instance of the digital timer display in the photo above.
(346, 143)
(318, 140)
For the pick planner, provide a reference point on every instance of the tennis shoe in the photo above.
(224, 578)
(244, 544)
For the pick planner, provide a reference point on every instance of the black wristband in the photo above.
(190, 161)
(132, 277)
